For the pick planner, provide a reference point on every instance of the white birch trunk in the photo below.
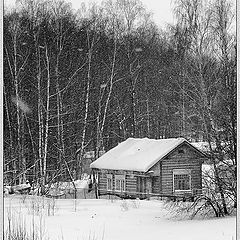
(81, 152)
(17, 108)
(46, 134)
(100, 127)
(11, 155)
(59, 98)
(16, 67)
(40, 117)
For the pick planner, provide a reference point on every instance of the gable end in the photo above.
(179, 150)
(200, 154)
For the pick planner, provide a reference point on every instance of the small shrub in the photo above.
(35, 206)
(124, 205)
(18, 229)
(112, 199)
(92, 236)
(203, 207)
(51, 206)
(23, 198)
(177, 209)
(136, 203)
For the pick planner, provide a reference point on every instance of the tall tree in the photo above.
(203, 86)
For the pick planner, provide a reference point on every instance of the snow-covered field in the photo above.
(93, 219)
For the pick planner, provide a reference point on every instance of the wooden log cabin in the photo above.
(148, 167)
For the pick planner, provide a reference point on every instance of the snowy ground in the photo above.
(105, 219)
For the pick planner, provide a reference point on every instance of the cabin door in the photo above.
(141, 184)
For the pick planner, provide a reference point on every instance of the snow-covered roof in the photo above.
(136, 154)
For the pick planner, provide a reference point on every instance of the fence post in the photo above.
(96, 190)
(75, 193)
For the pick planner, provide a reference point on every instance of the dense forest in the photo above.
(85, 80)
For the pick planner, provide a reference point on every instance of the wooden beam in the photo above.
(160, 177)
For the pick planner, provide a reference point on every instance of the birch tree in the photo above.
(225, 42)
(203, 92)
(17, 59)
(111, 28)
(92, 38)
(60, 14)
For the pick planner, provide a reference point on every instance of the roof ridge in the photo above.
(138, 154)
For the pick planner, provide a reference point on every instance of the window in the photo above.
(181, 180)
(109, 182)
(120, 183)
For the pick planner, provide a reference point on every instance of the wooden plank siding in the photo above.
(155, 184)
(159, 178)
(131, 183)
(102, 180)
(130, 180)
(189, 159)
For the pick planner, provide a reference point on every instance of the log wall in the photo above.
(161, 179)
(130, 179)
(186, 158)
